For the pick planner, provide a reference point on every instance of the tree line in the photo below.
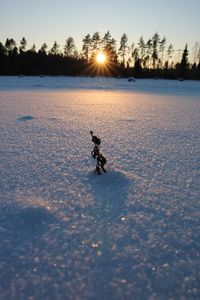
(146, 59)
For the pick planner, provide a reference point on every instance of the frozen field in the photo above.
(67, 233)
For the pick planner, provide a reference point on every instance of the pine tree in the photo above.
(162, 49)
(55, 49)
(10, 45)
(23, 44)
(43, 49)
(142, 48)
(96, 41)
(155, 43)
(123, 47)
(184, 65)
(148, 52)
(87, 46)
(69, 48)
(109, 47)
(170, 52)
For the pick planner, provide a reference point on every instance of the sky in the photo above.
(47, 21)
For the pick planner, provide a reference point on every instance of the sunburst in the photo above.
(101, 58)
(101, 64)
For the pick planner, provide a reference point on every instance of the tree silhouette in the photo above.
(96, 42)
(142, 49)
(148, 52)
(123, 47)
(55, 49)
(109, 47)
(162, 49)
(23, 44)
(170, 52)
(69, 47)
(184, 65)
(153, 58)
(10, 45)
(155, 43)
(43, 48)
(87, 46)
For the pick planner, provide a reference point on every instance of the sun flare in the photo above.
(101, 58)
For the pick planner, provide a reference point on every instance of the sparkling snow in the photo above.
(67, 233)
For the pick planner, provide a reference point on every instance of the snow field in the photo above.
(67, 233)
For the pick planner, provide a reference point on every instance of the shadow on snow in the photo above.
(110, 191)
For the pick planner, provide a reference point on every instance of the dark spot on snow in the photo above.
(25, 118)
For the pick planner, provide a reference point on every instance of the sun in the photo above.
(101, 58)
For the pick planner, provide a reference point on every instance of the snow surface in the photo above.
(67, 233)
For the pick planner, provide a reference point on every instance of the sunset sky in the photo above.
(47, 21)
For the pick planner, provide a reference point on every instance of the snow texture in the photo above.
(131, 233)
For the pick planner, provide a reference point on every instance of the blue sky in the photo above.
(47, 21)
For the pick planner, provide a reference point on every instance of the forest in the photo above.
(153, 58)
